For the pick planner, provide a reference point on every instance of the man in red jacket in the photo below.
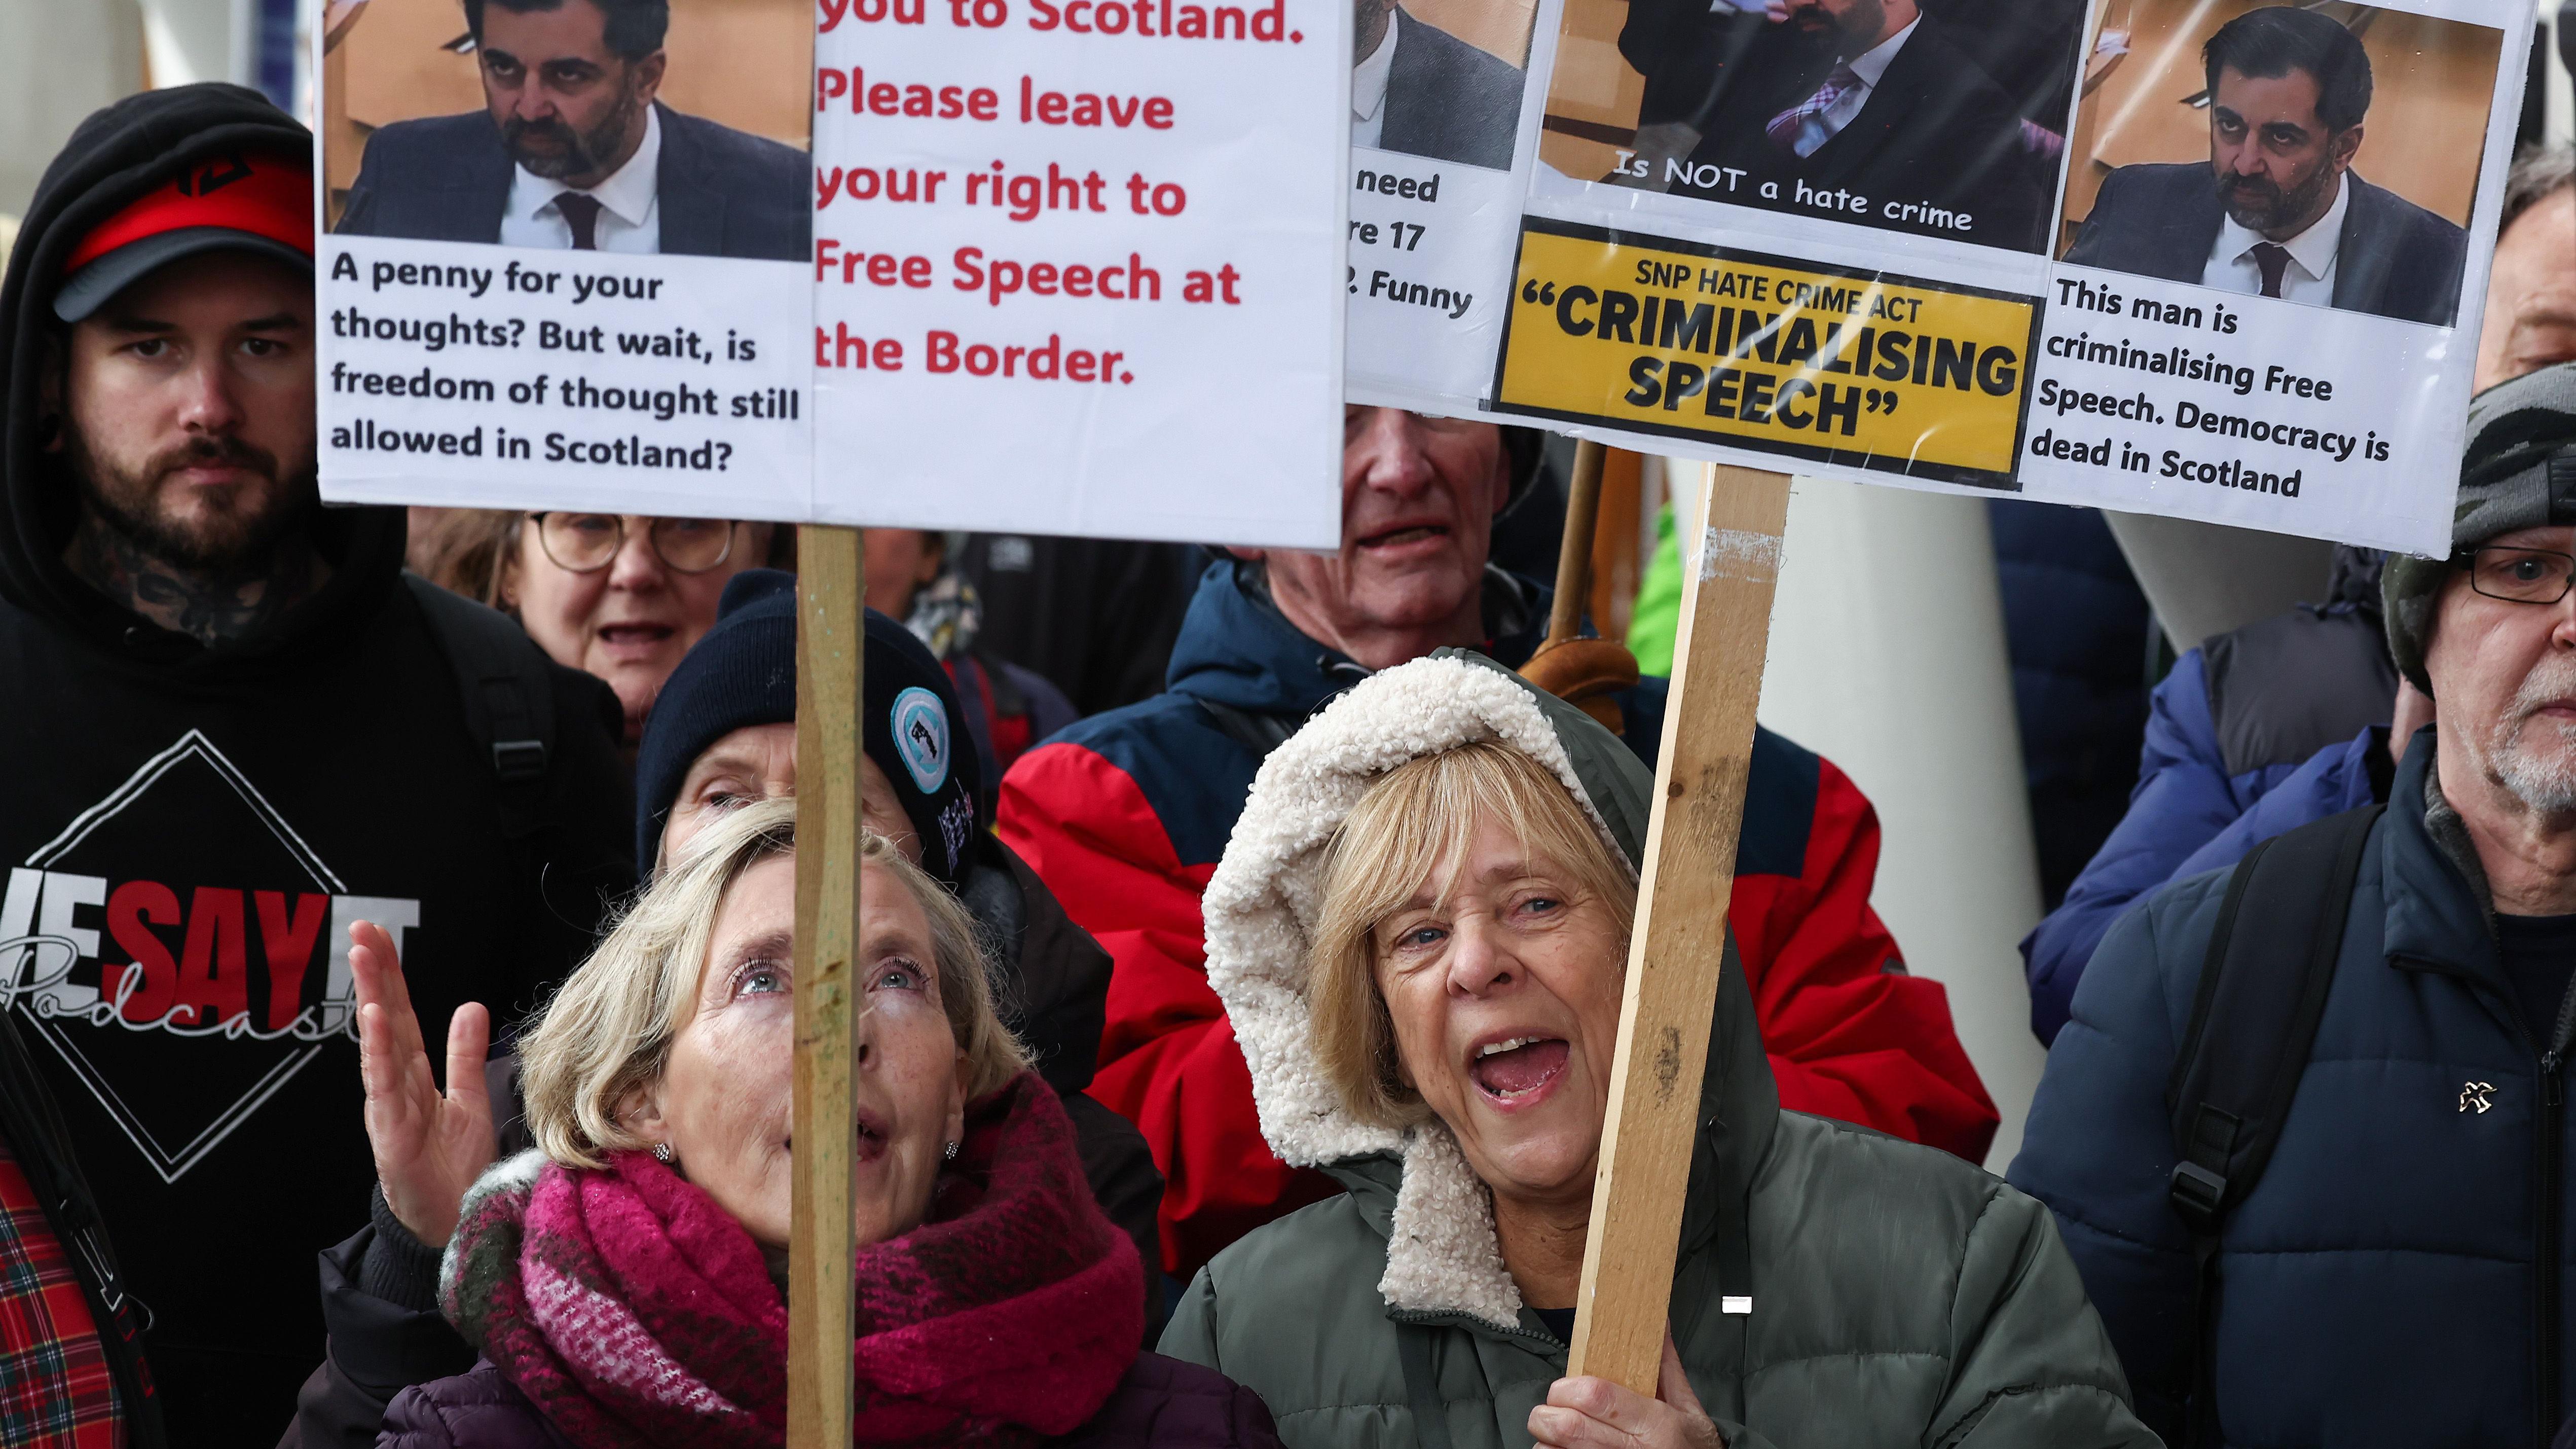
(1125, 815)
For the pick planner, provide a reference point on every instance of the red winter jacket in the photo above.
(1125, 815)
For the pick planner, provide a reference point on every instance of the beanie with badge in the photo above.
(742, 673)
(2518, 471)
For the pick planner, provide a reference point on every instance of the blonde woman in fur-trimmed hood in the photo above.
(1419, 930)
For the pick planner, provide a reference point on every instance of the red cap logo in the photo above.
(264, 194)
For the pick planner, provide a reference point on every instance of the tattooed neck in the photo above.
(210, 607)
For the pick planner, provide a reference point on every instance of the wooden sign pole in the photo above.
(1673, 954)
(830, 638)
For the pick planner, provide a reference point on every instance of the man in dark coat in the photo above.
(574, 151)
(1887, 123)
(2397, 1274)
(2278, 211)
(235, 730)
(1417, 89)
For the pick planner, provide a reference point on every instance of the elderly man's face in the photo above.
(2531, 294)
(1502, 980)
(2274, 160)
(2504, 675)
(1418, 501)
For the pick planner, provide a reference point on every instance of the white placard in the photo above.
(555, 273)
(496, 377)
(1076, 266)
(1437, 171)
(1809, 274)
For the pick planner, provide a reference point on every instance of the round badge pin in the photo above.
(921, 738)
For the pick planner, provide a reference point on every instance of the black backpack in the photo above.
(2253, 1024)
(505, 683)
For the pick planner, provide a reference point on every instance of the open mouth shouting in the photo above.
(1517, 1071)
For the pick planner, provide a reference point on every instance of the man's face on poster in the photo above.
(569, 108)
(2275, 162)
(1850, 27)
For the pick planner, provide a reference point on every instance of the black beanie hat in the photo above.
(743, 673)
(2518, 471)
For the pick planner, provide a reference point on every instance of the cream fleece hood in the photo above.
(1262, 905)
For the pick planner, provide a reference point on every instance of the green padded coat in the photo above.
(1897, 1295)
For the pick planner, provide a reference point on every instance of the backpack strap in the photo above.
(2254, 1021)
(1257, 733)
(504, 682)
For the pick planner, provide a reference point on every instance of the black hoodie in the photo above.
(195, 826)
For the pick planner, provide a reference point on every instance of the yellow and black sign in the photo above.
(1862, 369)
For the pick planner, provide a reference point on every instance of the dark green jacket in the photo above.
(1899, 1296)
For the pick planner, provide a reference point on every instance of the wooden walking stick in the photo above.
(1673, 952)
(831, 635)
(1589, 673)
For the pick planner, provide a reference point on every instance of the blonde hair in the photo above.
(607, 1034)
(1411, 820)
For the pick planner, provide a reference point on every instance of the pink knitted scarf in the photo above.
(635, 1312)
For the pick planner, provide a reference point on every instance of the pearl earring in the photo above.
(949, 1153)
(662, 1153)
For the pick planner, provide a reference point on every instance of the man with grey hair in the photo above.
(2531, 289)
(2273, 1263)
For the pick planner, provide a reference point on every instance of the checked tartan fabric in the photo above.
(56, 1390)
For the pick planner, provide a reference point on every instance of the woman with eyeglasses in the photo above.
(620, 596)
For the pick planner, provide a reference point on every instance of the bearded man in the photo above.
(233, 730)
(2280, 212)
(574, 150)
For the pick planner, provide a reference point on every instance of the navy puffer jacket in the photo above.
(2398, 1276)
(1163, 1403)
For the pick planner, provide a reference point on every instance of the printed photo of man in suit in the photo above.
(1417, 89)
(2278, 210)
(573, 151)
(1876, 102)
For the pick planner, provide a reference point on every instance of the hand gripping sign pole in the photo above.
(1673, 953)
(830, 648)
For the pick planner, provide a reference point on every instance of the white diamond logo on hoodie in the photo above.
(118, 939)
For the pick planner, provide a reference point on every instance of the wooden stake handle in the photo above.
(1574, 555)
(1673, 954)
(831, 635)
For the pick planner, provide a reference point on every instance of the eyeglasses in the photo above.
(2521, 575)
(585, 543)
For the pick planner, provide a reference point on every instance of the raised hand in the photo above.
(1590, 1413)
(429, 1148)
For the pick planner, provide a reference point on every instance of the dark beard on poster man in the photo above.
(575, 153)
(2278, 209)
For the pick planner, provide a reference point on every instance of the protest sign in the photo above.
(1073, 264)
(565, 257)
(1436, 176)
(2219, 261)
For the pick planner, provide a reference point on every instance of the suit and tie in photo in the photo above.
(1869, 99)
(1419, 90)
(2278, 210)
(715, 192)
(2388, 256)
(575, 151)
